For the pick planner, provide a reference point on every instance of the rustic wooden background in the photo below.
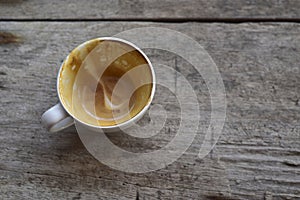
(255, 44)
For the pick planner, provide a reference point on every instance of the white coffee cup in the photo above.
(61, 115)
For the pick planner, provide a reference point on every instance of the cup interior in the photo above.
(106, 82)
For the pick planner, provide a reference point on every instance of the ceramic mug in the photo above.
(122, 55)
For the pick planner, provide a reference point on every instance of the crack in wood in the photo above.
(161, 20)
(137, 195)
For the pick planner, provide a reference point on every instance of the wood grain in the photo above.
(256, 157)
(150, 10)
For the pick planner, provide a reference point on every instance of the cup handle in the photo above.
(56, 119)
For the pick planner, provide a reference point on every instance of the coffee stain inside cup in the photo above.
(88, 79)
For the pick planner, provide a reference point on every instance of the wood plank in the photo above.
(257, 155)
(151, 10)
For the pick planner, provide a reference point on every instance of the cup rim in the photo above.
(140, 113)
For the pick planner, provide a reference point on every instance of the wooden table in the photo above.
(256, 46)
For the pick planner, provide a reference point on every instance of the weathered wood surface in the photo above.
(151, 10)
(257, 156)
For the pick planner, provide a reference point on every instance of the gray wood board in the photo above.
(151, 10)
(256, 157)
